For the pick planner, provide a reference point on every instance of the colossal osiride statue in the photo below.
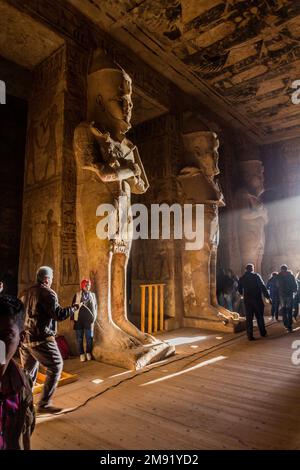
(251, 215)
(199, 186)
(109, 167)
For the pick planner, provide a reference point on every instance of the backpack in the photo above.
(63, 346)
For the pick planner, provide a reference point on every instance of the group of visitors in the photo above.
(282, 291)
(38, 310)
(284, 284)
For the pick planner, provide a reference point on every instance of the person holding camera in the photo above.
(84, 319)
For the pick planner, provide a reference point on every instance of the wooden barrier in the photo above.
(153, 310)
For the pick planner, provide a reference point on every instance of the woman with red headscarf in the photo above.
(84, 319)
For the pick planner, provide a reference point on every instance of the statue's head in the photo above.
(109, 99)
(202, 148)
(252, 172)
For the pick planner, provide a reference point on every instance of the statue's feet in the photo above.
(227, 314)
(209, 312)
(132, 330)
(111, 336)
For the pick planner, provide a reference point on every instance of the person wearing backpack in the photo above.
(84, 319)
(287, 287)
(17, 414)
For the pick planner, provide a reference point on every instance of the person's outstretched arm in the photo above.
(263, 287)
(55, 311)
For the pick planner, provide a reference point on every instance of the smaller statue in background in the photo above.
(199, 186)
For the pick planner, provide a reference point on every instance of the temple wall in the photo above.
(56, 106)
(41, 229)
(12, 147)
(159, 261)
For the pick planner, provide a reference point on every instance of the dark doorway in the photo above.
(13, 123)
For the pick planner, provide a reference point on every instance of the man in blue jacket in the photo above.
(252, 287)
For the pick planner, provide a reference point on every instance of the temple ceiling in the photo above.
(23, 40)
(238, 57)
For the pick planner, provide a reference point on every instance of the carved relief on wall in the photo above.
(42, 144)
(40, 235)
(74, 110)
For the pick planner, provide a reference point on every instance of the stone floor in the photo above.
(218, 392)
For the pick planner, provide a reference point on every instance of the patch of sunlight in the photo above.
(97, 381)
(176, 374)
(121, 373)
(185, 340)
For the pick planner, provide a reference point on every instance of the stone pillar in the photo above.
(251, 215)
(200, 190)
(159, 261)
(56, 106)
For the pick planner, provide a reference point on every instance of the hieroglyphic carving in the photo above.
(74, 109)
(41, 219)
(40, 232)
(42, 146)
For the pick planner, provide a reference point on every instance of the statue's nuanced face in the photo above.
(112, 100)
(205, 148)
(117, 102)
(255, 183)
(209, 160)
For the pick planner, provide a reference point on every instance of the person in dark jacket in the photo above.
(272, 287)
(84, 319)
(42, 312)
(287, 287)
(252, 287)
(17, 414)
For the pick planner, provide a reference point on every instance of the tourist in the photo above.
(252, 287)
(42, 311)
(287, 287)
(84, 319)
(272, 287)
(17, 417)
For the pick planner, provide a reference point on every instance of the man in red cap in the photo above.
(84, 319)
